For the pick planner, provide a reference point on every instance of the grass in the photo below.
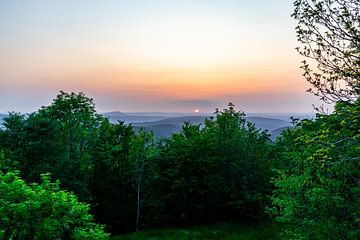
(224, 231)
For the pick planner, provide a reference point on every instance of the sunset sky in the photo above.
(152, 55)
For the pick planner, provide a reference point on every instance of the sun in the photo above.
(196, 110)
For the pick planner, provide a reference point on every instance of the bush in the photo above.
(43, 211)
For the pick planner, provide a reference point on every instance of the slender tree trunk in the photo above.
(138, 203)
(139, 178)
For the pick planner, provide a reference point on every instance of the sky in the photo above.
(152, 55)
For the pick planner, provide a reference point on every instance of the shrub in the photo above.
(43, 211)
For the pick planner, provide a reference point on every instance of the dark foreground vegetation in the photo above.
(223, 231)
(225, 170)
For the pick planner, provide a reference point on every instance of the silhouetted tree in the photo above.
(329, 31)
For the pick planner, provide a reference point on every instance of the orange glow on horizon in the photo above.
(158, 54)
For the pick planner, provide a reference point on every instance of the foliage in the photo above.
(58, 139)
(75, 123)
(330, 33)
(318, 190)
(216, 172)
(6, 164)
(209, 173)
(243, 161)
(43, 211)
(113, 185)
(179, 188)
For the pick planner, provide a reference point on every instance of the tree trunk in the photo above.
(138, 205)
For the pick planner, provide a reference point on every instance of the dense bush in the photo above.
(43, 211)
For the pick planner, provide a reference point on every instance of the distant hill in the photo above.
(174, 121)
(114, 117)
(276, 132)
(165, 124)
(137, 117)
(282, 116)
(267, 123)
(2, 116)
(161, 130)
(162, 114)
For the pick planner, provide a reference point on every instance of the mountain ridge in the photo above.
(164, 124)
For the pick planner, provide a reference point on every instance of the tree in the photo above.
(212, 172)
(59, 139)
(113, 185)
(318, 190)
(243, 155)
(179, 190)
(43, 211)
(330, 33)
(141, 151)
(76, 125)
(13, 136)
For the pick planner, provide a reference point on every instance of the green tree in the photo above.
(7, 164)
(179, 192)
(243, 159)
(142, 149)
(13, 136)
(43, 211)
(329, 31)
(76, 126)
(212, 172)
(59, 139)
(318, 189)
(113, 185)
